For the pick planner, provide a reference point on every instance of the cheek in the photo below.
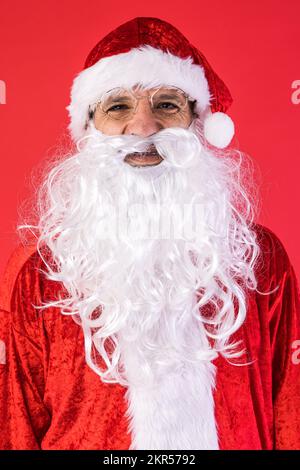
(184, 123)
(107, 126)
(181, 120)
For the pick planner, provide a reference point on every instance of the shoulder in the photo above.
(273, 262)
(25, 284)
(270, 244)
(15, 263)
(272, 249)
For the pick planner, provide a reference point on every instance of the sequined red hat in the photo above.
(151, 52)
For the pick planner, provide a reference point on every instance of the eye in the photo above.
(117, 107)
(167, 105)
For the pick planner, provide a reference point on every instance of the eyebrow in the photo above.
(121, 98)
(166, 97)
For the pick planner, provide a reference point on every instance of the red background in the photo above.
(253, 45)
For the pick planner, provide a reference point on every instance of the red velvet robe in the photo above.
(51, 399)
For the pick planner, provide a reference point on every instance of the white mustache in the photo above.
(170, 144)
(151, 150)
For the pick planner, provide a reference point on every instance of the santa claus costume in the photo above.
(122, 345)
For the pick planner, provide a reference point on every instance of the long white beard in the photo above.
(140, 287)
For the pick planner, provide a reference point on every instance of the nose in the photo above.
(143, 122)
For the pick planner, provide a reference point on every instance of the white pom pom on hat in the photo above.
(151, 52)
(218, 129)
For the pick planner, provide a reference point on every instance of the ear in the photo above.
(192, 105)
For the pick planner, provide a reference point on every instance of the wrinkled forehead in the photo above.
(138, 89)
(145, 87)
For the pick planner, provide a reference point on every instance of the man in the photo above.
(154, 313)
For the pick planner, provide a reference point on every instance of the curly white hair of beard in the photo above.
(149, 291)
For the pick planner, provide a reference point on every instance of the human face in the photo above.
(149, 115)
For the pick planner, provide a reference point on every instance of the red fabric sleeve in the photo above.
(284, 323)
(24, 418)
(286, 364)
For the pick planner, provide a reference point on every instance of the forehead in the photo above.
(163, 91)
(146, 88)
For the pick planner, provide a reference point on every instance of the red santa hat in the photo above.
(151, 52)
